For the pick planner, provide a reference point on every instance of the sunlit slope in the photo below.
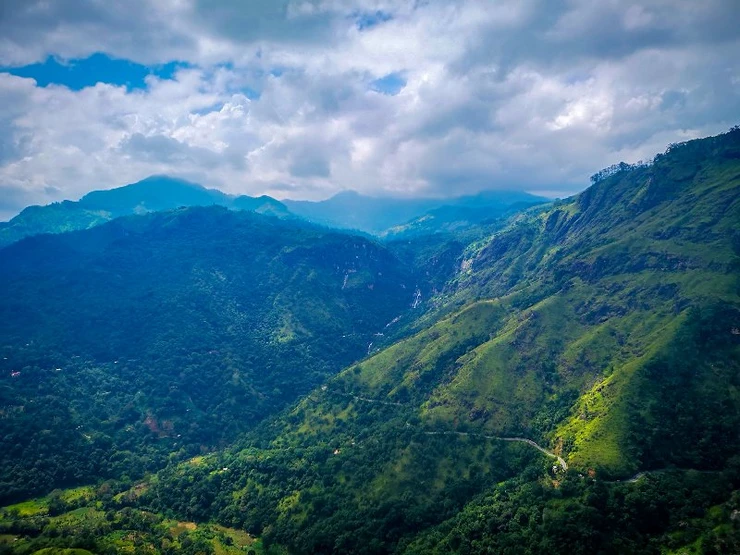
(588, 300)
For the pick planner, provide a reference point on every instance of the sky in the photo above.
(306, 98)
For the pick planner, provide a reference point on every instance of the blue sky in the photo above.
(304, 98)
(391, 84)
(77, 74)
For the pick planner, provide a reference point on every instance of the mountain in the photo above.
(153, 194)
(156, 193)
(171, 333)
(386, 215)
(570, 384)
(479, 215)
(347, 210)
(576, 389)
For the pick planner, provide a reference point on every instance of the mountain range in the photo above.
(349, 210)
(560, 377)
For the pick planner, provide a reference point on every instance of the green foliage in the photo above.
(103, 523)
(588, 517)
(172, 333)
(603, 327)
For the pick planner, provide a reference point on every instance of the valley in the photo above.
(562, 379)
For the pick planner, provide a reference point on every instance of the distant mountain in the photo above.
(153, 194)
(386, 215)
(392, 217)
(466, 213)
(172, 332)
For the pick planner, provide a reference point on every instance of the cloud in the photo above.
(308, 97)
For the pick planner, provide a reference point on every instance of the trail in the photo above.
(366, 400)
(560, 459)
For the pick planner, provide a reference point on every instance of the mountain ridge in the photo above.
(346, 210)
(386, 216)
(599, 330)
(155, 193)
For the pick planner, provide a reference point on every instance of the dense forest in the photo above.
(225, 381)
(169, 334)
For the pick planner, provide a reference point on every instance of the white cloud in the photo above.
(524, 94)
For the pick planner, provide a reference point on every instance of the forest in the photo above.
(211, 381)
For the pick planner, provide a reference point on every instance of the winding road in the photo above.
(560, 459)
(366, 400)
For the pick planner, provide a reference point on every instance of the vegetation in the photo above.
(603, 329)
(169, 334)
(153, 194)
(104, 522)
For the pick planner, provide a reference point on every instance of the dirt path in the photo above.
(560, 459)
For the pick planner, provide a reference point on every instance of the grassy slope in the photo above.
(586, 296)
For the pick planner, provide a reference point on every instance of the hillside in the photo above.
(171, 333)
(154, 194)
(571, 386)
(603, 328)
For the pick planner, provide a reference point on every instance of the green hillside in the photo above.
(171, 333)
(603, 328)
(571, 386)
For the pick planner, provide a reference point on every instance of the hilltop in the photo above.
(154, 194)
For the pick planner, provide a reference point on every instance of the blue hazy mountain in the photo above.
(153, 194)
(348, 210)
(380, 215)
